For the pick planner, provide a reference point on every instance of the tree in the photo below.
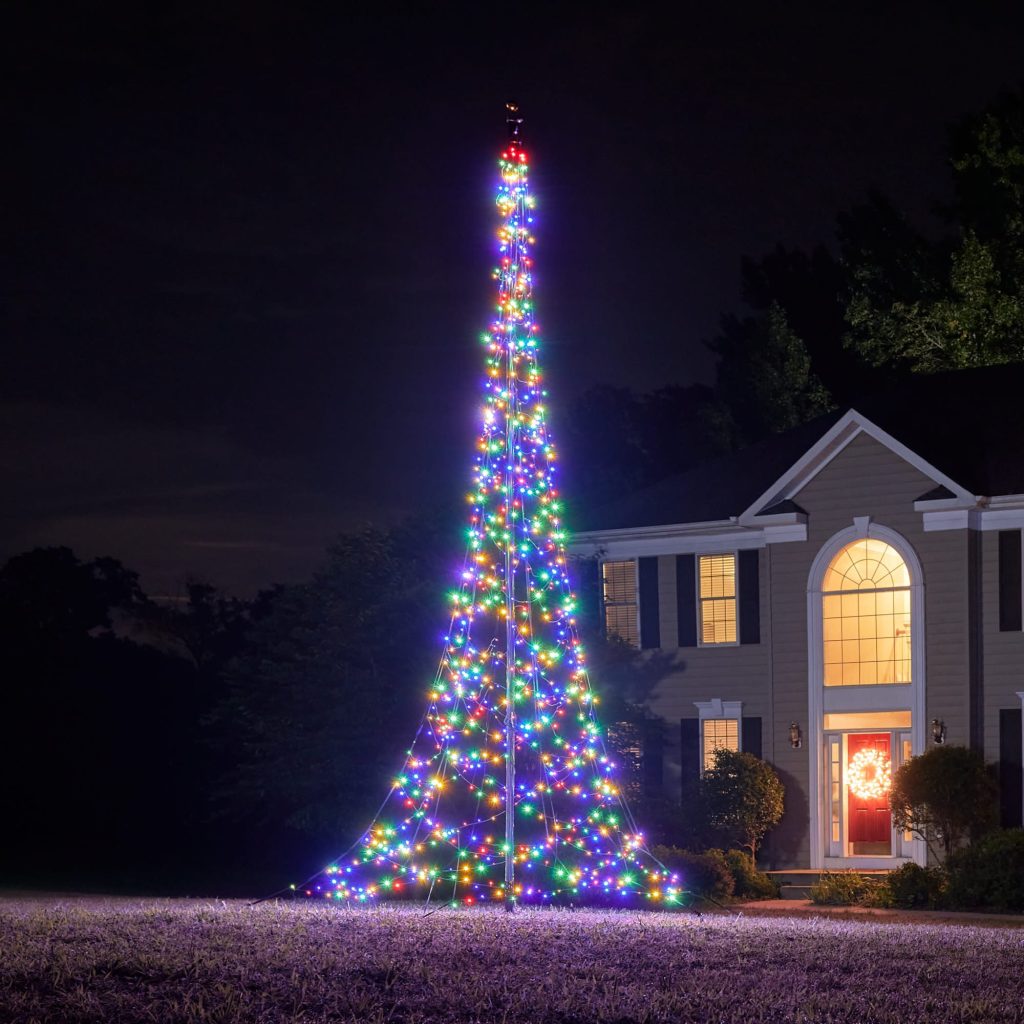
(765, 380)
(317, 705)
(958, 301)
(641, 439)
(507, 792)
(744, 798)
(945, 795)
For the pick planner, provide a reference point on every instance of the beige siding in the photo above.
(734, 672)
(865, 479)
(1003, 653)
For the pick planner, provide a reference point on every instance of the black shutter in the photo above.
(653, 756)
(588, 589)
(1009, 581)
(689, 751)
(686, 599)
(752, 735)
(650, 619)
(750, 597)
(1011, 767)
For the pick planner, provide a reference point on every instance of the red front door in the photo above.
(869, 817)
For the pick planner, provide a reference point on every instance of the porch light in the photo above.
(938, 731)
(795, 738)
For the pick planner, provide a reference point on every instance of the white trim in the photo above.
(900, 696)
(984, 519)
(700, 599)
(636, 599)
(711, 710)
(1001, 519)
(718, 708)
(819, 455)
(999, 502)
(707, 538)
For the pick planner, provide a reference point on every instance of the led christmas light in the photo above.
(869, 774)
(512, 669)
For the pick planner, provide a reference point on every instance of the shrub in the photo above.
(911, 885)
(945, 795)
(751, 884)
(744, 797)
(704, 874)
(990, 873)
(845, 889)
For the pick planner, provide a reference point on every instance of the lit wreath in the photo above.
(868, 775)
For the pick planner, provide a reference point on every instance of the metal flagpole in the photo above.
(513, 121)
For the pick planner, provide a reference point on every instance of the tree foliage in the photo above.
(744, 798)
(765, 381)
(957, 301)
(324, 697)
(944, 796)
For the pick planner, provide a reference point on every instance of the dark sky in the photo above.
(248, 255)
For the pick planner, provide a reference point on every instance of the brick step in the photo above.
(795, 892)
(796, 883)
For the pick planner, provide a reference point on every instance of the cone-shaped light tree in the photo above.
(507, 793)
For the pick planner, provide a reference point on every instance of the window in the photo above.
(866, 616)
(718, 734)
(716, 583)
(620, 606)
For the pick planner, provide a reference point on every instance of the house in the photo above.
(837, 599)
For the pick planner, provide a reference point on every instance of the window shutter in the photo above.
(588, 590)
(750, 597)
(653, 757)
(752, 735)
(689, 751)
(1009, 581)
(686, 600)
(1011, 767)
(650, 617)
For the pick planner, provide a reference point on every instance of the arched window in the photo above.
(866, 616)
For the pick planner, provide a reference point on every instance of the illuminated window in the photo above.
(717, 582)
(866, 616)
(719, 734)
(620, 608)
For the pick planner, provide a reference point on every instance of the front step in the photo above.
(796, 883)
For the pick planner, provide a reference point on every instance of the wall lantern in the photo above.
(795, 739)
(938, 731)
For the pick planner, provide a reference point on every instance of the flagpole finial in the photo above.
(513, 121)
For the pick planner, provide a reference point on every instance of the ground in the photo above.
(97, 959)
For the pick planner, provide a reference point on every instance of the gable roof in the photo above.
(964, 429)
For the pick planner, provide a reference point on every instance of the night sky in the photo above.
(248, 255)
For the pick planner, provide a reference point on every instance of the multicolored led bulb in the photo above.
(512, 678)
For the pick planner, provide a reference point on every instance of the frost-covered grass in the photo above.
(88, 959)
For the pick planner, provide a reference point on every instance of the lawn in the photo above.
(94, 959)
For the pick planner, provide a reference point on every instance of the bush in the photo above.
(751, 884)
(911, 886)
(945, 795)
(744, 798)
(704, 874)
(845, 889)
(990, 873)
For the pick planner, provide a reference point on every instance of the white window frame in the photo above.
(636, 604)
(874, 697)
(700, 606)
(710, 710)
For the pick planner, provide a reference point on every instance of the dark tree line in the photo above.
(884, 299)
(221, 745)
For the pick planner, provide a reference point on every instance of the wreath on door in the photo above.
(869, 774)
